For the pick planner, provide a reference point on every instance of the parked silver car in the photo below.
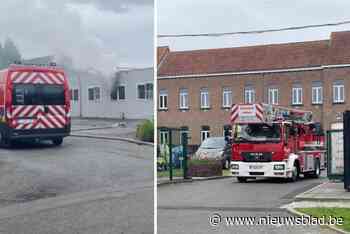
(215, 148)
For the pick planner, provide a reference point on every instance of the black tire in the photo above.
(316, 173)
(57, 141)
(5, 142)
(295, 173)
(242, 179)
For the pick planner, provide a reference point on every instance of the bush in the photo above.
(145, 131)
(204, 168)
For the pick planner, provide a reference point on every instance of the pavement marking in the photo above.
(223, 208)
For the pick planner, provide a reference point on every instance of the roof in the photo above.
(162, 51)
(339, 48)
(258, 58)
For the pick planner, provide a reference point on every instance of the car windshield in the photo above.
(213, 143)
(260, 132)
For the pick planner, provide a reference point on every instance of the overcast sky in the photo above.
(208, 16)
(96, 33)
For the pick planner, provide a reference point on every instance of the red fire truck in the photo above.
(274, 141)
(34, 104)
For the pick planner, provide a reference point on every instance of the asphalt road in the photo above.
(35, 172)
(186, 208)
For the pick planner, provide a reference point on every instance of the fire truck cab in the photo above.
(273, 141)
(34, 104)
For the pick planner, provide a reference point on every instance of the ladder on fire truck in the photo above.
(262, 112)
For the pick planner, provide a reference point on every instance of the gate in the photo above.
(174, 164)
(335, 154)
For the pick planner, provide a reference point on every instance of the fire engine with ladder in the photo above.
(275, 141)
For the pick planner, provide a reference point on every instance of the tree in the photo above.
(10, 53)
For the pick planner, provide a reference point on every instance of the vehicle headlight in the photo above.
(234, 166)
(278, 167)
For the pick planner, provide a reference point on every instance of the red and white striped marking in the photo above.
(34, 117)
(24, 77)
(247, 110)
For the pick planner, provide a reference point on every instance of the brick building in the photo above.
(196, 88)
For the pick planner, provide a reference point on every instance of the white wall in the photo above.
(131, 107)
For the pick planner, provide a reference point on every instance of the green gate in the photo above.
(335, 155)
(174, 164)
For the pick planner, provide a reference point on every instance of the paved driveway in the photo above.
(186, 208)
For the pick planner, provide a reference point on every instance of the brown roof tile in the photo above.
(251, 58)
(339, 48)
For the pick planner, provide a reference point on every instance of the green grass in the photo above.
(330, 211)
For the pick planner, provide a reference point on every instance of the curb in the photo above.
(179, 181)
(295, 212)
(114, 138)
(300, 197)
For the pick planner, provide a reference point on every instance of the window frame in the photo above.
(204, 91)
(226, 91)
(273, 95)
(163, 93)
(183, 95)
(94, 88)
(249, 95)
(338, 86)
(317, 94)
(299, 95)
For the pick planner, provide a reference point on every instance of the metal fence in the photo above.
(174, 164)
(335, 154)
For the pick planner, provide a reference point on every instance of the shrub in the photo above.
(145, 131)
(204, 168)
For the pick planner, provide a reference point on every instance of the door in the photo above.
(38, 106)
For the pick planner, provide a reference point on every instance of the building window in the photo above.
(338, 92)
(272, 96)
(163, 99)
(121, 92)
(149, 91)
(205, 133)
(183, 99)
(164, 137)
(205, 98)
(184, 129)
(94, 93)
(226, 98)
(249, 95)
(145, 91)
(317, 93)
(74, 95)
(297, 95)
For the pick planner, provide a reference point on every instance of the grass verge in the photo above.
(326, 212)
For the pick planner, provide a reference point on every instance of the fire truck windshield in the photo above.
(257, 132)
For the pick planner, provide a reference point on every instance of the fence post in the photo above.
(346, 144)
(184, 153)
(170, 156)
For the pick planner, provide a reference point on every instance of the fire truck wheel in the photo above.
(4, 142)
(57, 141)
(295, 172)
(242, 179)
